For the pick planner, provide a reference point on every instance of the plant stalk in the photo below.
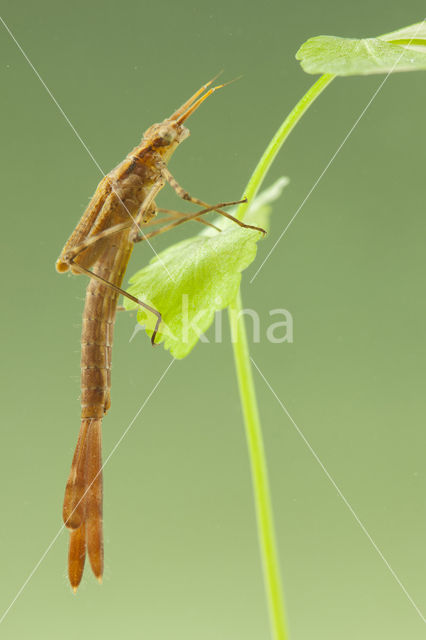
(262, 499)
(278, 140)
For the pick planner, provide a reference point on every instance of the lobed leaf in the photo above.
(401, 50)
(192, 279)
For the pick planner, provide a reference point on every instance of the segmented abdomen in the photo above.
(98, 328)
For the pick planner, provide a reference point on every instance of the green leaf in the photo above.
(415, 32)
(402, 50)
(192, 279)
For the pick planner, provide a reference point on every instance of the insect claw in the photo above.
(154, 334)
(251, 226)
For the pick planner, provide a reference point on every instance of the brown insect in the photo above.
(100, 247)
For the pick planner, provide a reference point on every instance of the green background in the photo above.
(182, 559)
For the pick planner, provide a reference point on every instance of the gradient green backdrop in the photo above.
(182, 559)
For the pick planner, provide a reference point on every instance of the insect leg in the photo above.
(184, 218)
(146, 204)
(146, 306)
(70, 252)
(178, 214)
(67, 257)
(185, 196)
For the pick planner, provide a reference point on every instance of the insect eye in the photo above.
(167, 136)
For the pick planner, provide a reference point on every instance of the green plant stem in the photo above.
(278, 140)
(259, 474)
(264, 514)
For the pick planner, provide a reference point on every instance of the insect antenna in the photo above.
(196, 104)
(188, 103)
